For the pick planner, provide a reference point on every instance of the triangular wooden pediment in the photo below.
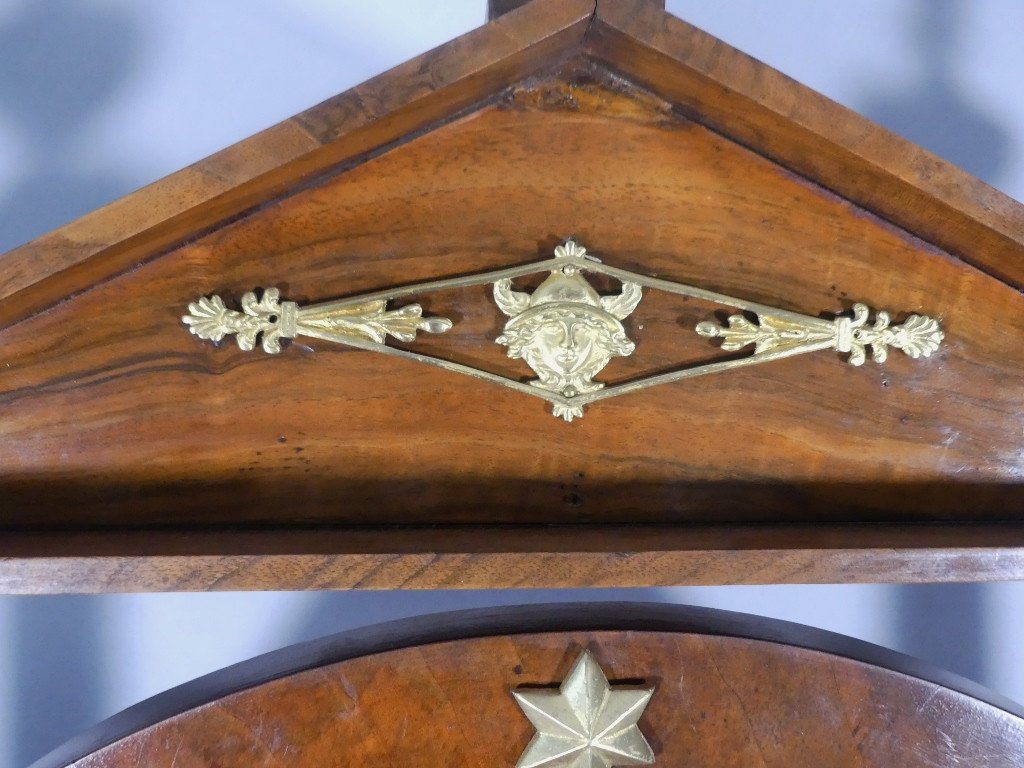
(707, 80)
(665, 152)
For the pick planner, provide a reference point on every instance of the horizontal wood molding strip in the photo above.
(476, 558)
(393, 106)
(813, 136)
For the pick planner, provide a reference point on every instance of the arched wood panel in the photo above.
(730, 690)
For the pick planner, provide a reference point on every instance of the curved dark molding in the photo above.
(505, 620)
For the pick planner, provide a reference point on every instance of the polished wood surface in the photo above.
(722, 698)
(171, 430)
(481, 557)
(480, 155)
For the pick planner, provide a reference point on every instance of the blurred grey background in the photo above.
(98, 97)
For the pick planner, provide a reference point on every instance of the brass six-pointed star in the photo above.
(586, 723)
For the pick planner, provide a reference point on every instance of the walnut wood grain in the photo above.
(799, 698)
(479, 557)
(169, 430)
(482, 154)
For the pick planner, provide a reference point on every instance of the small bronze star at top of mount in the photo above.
(586, 723)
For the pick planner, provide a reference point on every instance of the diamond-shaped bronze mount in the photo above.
(564, 330)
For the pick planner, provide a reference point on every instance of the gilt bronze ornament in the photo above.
(273, 320)
(586, 723)
(564, 331)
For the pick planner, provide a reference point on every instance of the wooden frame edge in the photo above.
(793, 125)
(410, 98)
(491, 558)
